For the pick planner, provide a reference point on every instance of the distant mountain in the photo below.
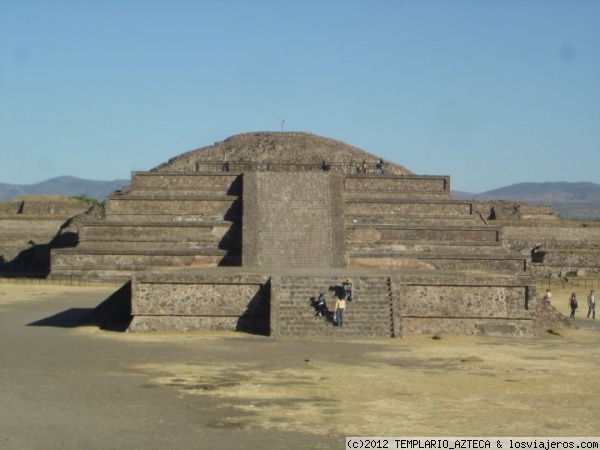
(580, 201)
(65, 185)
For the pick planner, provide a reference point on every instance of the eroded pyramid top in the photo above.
(276, 149)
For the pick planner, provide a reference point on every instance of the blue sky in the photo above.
(489, 92)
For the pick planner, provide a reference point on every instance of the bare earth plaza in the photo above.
(181, 312)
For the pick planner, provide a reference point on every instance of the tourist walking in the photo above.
(338, 315)
(591, 305)
(573, 304)
(548, 295)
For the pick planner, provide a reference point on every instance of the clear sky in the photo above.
(489, 92)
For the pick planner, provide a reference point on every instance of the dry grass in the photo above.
(462, 386)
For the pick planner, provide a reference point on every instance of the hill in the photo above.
(579, 201)
(65, 185)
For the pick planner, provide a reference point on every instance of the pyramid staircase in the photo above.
(368, 315)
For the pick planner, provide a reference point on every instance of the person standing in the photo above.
(338, 315)
(591, 305)
(548, 295)
(348, 288)
(573, 304)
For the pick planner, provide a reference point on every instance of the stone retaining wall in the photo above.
(407, 207)
(132, 206)
(383, 183)
(483, 306)
(552, 235)
(399, 233)
(200, 302)
(225, 181)
(391, 306)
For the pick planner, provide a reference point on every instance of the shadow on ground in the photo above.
(113, 314)
(69, 318)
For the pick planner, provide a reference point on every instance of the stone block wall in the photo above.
(18, 234)
(484, 306)
(384, 183)
(438, 262)
(554, 236)
(556, 249)
(161, 206)
(225, 182)
(371, 234)
(407, 207)
(192, 301)
(184, 233)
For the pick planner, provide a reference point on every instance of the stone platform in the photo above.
(278, 302)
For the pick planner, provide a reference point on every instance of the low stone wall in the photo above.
(132, 206)
(438, 262)
(383, 184)
(164, 180)
(27, 226)
(183, 232)
(556, 249)
(52, 205)
(87, 263)
(551, 235)
(385, 305)
(19, 234)
(187, 301)
(399, 233)
(424, 207)
(467, 305)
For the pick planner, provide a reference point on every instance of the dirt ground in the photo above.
(68, 386)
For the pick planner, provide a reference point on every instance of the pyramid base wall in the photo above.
(385, 305)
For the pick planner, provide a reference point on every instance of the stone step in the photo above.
(403, 207)
(25, 236)
(134, 262)
(368, 196)
(391, 219)
(150, 248)
(158, 217)
(369, 315)
(176, 232)
(154, 247)
(187, 180)
(439, 261)
(367, 233)
(419, 246)
(397, 183)
(158, 192)
(213, 205)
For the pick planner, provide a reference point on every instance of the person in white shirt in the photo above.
(591, 305)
